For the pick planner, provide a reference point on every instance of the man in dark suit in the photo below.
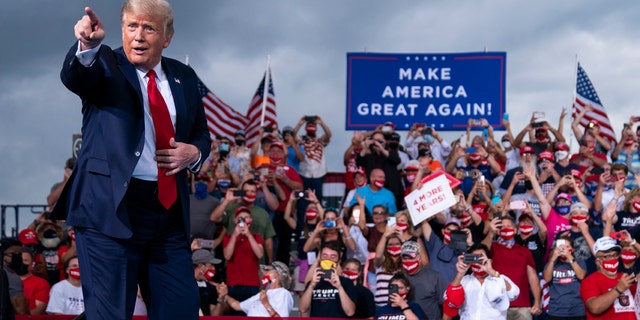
(128, 198)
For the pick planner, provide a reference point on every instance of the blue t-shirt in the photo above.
(292, 160)
(387, 312)
(383, 197)
(564, 291)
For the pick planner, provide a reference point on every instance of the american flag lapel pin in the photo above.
(176, 80)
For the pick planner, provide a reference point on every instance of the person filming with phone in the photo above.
(400, 302)
(242, 250)
(482, 294)
(328, 294)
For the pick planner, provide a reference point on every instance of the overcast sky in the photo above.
(228, 42)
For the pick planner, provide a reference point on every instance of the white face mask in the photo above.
(560, 155)
(506, 144)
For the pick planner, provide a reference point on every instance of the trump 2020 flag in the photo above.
(586, 94)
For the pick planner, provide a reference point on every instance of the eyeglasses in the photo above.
(610, 256)
(378, 212)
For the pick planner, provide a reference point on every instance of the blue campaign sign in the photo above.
(442, 90)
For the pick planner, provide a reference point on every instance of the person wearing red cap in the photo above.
(514, 178)
(483, 294)
(528, 238)
(242, 250)
(563, 164)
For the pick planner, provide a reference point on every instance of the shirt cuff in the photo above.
(87, 57)
(195, 167)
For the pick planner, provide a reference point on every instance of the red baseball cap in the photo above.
(546, 155)
(28, 236)
(453, 300)
(526, 149)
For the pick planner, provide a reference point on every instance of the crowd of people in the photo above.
(530, 218)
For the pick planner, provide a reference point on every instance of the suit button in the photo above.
(126, 184)
(137, 153)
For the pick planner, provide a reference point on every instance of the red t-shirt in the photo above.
(598, 284)
(35, 288)
(292, 175)
(242, 268)
(513, 264)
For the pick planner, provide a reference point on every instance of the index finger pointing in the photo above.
(93, 17)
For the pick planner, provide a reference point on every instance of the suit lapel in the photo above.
(129, 72)
(177, 91)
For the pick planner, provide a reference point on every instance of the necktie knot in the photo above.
(151, 74)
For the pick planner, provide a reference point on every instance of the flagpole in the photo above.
(265, 92)
(573, 102)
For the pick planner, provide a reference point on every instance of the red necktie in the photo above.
(167, 188)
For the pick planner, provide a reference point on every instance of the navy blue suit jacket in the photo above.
(113, 137)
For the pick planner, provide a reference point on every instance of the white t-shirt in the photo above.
(65, 298)
(279, 298)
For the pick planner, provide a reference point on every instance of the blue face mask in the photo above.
(224, 184)
(563, 209)
(223, 147)
(201, 190)
(429, 139)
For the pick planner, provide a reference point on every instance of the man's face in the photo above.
(379, 215)
(251, 189)
(619, 174)
(143, 39)
(9, 252)
(329, 254)
(73, 264)
(276, 153)
(376, 174)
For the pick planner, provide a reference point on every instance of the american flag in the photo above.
(222, 119)
(586, 94)
(254, 113)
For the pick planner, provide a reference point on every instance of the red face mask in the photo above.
(275, 160)
(507, 233)
(378, 183)
(351, 275)
(394, 251)
(636, 205)
(446, 237)
(477, 270)
(74, 273)
(575, 220)
(411, 177)
(311, 129)
(265, 279)
(611, 265)
(525, 229)
(465, 219)
(628, 142)
(311, 214)
(402, 226)
(410, 266)
(209, 274)
(628, 257)
(249, 198)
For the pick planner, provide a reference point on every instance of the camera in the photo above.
(329, 223)
(268, 129)
(427, 130)
(239, 193)
(470, 258)
(311, 119)
(206, 244)
(326, 274)
(300, 194)
(241, 222)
